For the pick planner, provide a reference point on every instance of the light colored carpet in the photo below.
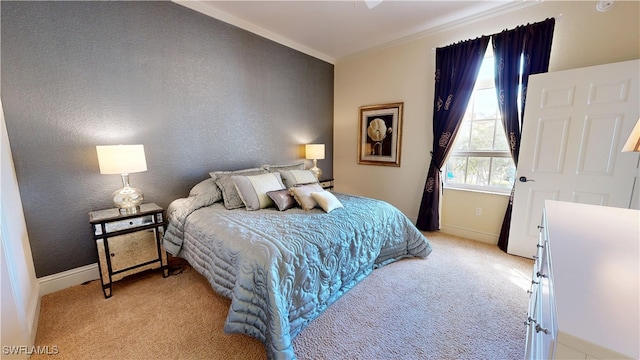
(467, 300)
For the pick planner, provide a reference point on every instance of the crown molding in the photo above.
(451, 25)
(447, 24)
(201, 7)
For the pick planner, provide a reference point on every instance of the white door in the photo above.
(575, 124)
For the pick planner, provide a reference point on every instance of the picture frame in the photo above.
(380, 134)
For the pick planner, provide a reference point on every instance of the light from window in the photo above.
(480, 158)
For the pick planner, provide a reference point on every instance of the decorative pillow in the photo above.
(283, 199)
(297, 177)
(326, 200)
(230, 195)
(302, 194)
(207, 190)
(274, 168)
(253, 189)
(247, 172)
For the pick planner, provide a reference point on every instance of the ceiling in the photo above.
(333, 29)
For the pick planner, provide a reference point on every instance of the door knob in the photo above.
(524, 179)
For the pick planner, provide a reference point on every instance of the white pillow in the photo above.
(297, 177)
(302, 194)
(253, 189)
(327, 201)
(230, 195)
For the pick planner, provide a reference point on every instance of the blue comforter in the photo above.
(282, 269)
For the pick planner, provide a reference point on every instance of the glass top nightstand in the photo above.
(326, 184)
(128, 243)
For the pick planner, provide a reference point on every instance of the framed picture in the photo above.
(380, 134)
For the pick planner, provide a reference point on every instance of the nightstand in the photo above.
(132, 242)
(326, 184)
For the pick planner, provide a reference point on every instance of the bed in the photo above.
(283, 268)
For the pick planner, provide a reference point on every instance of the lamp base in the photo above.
(128, 200)
(316, 170)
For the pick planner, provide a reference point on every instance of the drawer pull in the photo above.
(541, 329)
(529, 321)
(533, 282)
(539, 274)
(112, 254)
(540, 227)
(540, 246)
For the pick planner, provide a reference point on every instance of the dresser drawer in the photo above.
(544, 327)
(540, 336)
(126, 224)
(539, 340)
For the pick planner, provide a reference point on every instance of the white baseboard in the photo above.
(34, 317)
(65, 279)
(470, 234)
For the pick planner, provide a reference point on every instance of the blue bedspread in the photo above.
(282, 269)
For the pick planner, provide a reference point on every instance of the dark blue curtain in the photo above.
(457, 68)
(518, 53)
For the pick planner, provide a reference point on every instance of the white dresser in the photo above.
(585, 292)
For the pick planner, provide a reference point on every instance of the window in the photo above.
(480, 158)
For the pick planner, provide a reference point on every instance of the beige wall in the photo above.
(404, 72)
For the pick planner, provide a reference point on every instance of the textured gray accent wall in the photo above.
(198, 93)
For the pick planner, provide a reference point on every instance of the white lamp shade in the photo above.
(314, 151)
(633, 142)
(121, 159)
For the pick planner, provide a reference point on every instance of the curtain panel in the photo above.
(518, 53)
(457, 68)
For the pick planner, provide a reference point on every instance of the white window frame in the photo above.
(480, 85)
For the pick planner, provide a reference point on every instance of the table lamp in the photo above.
(315, 152)
(123, 160)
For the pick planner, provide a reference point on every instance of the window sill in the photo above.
(477, 191)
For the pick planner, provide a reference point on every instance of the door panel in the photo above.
(599, 144)
(558, 97)
(533, 218)
(584, 197)
(551, 141)
(609, 92)
(576, 122)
